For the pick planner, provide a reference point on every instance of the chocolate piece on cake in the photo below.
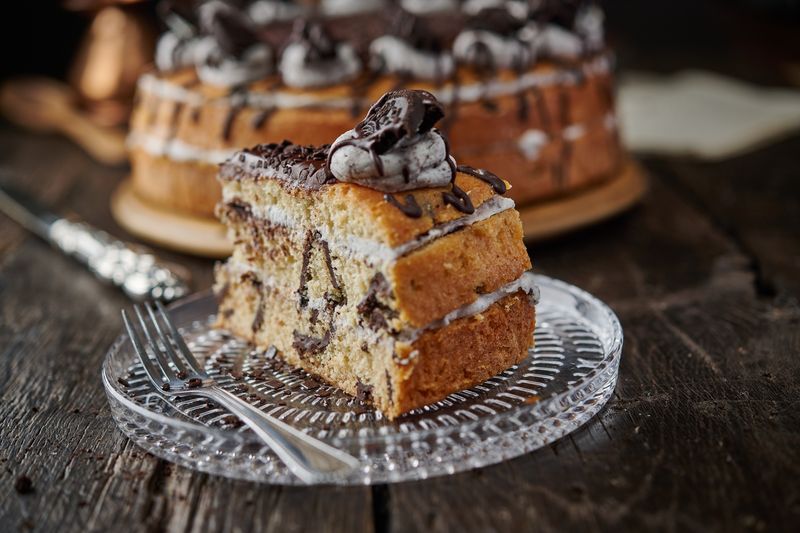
(377, 264)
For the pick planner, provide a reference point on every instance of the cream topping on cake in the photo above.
(313, 59)
(410, 49)
(263, 12)
(420, 42)
(490, 40)
(338, 8)
(395, 148)
(177, 47)
(422, 7)
(232, 54)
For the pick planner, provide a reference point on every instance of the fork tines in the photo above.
(161, 348)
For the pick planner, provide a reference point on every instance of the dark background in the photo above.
(748, 39)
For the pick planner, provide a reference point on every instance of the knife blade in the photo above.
(134, 269)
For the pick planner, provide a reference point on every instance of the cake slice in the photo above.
(377, 263)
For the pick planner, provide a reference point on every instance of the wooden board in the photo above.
(207, 238)
(543, 220)
(175, 231)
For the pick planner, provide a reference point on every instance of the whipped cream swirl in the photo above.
(263, 12)
(395, 148)
(491, 40)
(411, 49)
(177, 48)
(232, 54)
(313, 59)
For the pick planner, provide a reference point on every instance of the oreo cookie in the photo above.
(396, 115)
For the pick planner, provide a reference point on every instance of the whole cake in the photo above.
(527, 87)
(377, 263)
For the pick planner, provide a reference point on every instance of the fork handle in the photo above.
(310, 459)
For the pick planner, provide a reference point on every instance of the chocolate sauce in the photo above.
(309, 345)
(497, 184)
(319, 46)
(260, 118)
(459, 199)
(237, 103)
(410, 209)
(389, 388)
(374, 311)
(541, 110)
(196, 111)
(176, 114)
(232, 30)
(415, 31)
(337, 287)
(302, 290)
(396, 115)
(363, 392)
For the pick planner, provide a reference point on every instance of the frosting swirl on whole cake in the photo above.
(410, 49)
(232, 54)
(491, 41)
(263, 12)
(313, 59)
(395, 148)
(177, 47)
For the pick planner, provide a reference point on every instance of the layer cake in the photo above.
(377, 263)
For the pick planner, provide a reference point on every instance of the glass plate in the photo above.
(565, 381)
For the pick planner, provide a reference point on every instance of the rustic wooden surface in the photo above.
(703, 433)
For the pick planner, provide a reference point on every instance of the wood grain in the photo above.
(702, 433)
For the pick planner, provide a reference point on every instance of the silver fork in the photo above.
(310, 459)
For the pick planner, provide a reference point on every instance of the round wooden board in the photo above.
(543, 220)
(207, 237)
(201, 236)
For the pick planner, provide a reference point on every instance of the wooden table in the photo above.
(703, 432)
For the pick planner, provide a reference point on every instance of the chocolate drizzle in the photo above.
(231, 30)
(238, 98)
(414, 30)
(261, 117)
(396, 115)
(363, 392)
(319, 46)
(497, 184)
(309, 345)
(302, 290)
(372, 307)
(459, 199)
(410, 209)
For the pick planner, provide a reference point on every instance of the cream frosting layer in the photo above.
(370, 250)
(415, 162)
(530, 143)
(526, 283)
(463, 93)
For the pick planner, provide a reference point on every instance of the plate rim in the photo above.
(613, 354)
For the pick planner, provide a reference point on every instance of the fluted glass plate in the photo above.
(565, 380)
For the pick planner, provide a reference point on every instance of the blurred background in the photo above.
(698, 81)
(756, 40)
